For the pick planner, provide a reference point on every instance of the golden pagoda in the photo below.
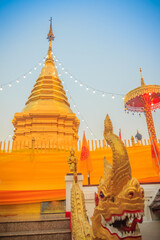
(47, 116)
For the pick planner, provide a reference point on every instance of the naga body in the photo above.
(119, 204)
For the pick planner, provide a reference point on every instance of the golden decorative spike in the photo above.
(101, 181)
(107, 168)
(132, 141)
(108, 128)
(81, 228)
(142, 80)
(50, 54)
(121, 170)
(50, 35)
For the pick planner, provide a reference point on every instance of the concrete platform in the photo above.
(150, 230)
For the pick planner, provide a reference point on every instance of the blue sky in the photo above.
(101, 43)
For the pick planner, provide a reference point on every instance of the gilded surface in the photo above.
(72, 161)
(120, 200)
(47, 115)
(80, 226)
(48, 93)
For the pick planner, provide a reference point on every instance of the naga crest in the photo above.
(120, 199)
(119, 202)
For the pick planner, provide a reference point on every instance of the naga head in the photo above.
(120, 199)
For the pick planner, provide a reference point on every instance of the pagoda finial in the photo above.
(50, 36)
(142, 80)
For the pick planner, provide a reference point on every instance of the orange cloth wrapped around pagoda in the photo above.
(28, 177)
(20, 197)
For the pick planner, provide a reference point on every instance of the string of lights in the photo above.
(64, 71)
(67, 73)
(23, 76)
(78, 112)
(9, 136)
(59, 65)
(87, 87)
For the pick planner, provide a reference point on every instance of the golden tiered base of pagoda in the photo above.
(33, 128)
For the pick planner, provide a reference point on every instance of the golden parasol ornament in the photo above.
(144, 99)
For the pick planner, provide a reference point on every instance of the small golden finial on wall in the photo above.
(132, 141)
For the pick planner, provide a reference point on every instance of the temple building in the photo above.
(47, 116)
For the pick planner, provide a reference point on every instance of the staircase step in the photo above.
(58, 234)
(32, 223)
(35, 227)
(59, 223)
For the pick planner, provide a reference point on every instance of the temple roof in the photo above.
(48, 93)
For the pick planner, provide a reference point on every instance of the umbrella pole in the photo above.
(149, 120)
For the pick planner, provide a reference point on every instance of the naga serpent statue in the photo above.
(119, 204)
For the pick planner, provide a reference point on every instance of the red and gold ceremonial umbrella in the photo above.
(144, 99)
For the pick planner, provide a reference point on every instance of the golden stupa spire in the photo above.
(48, 92)
(142, 80)
(47, 115)
(50, 37)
